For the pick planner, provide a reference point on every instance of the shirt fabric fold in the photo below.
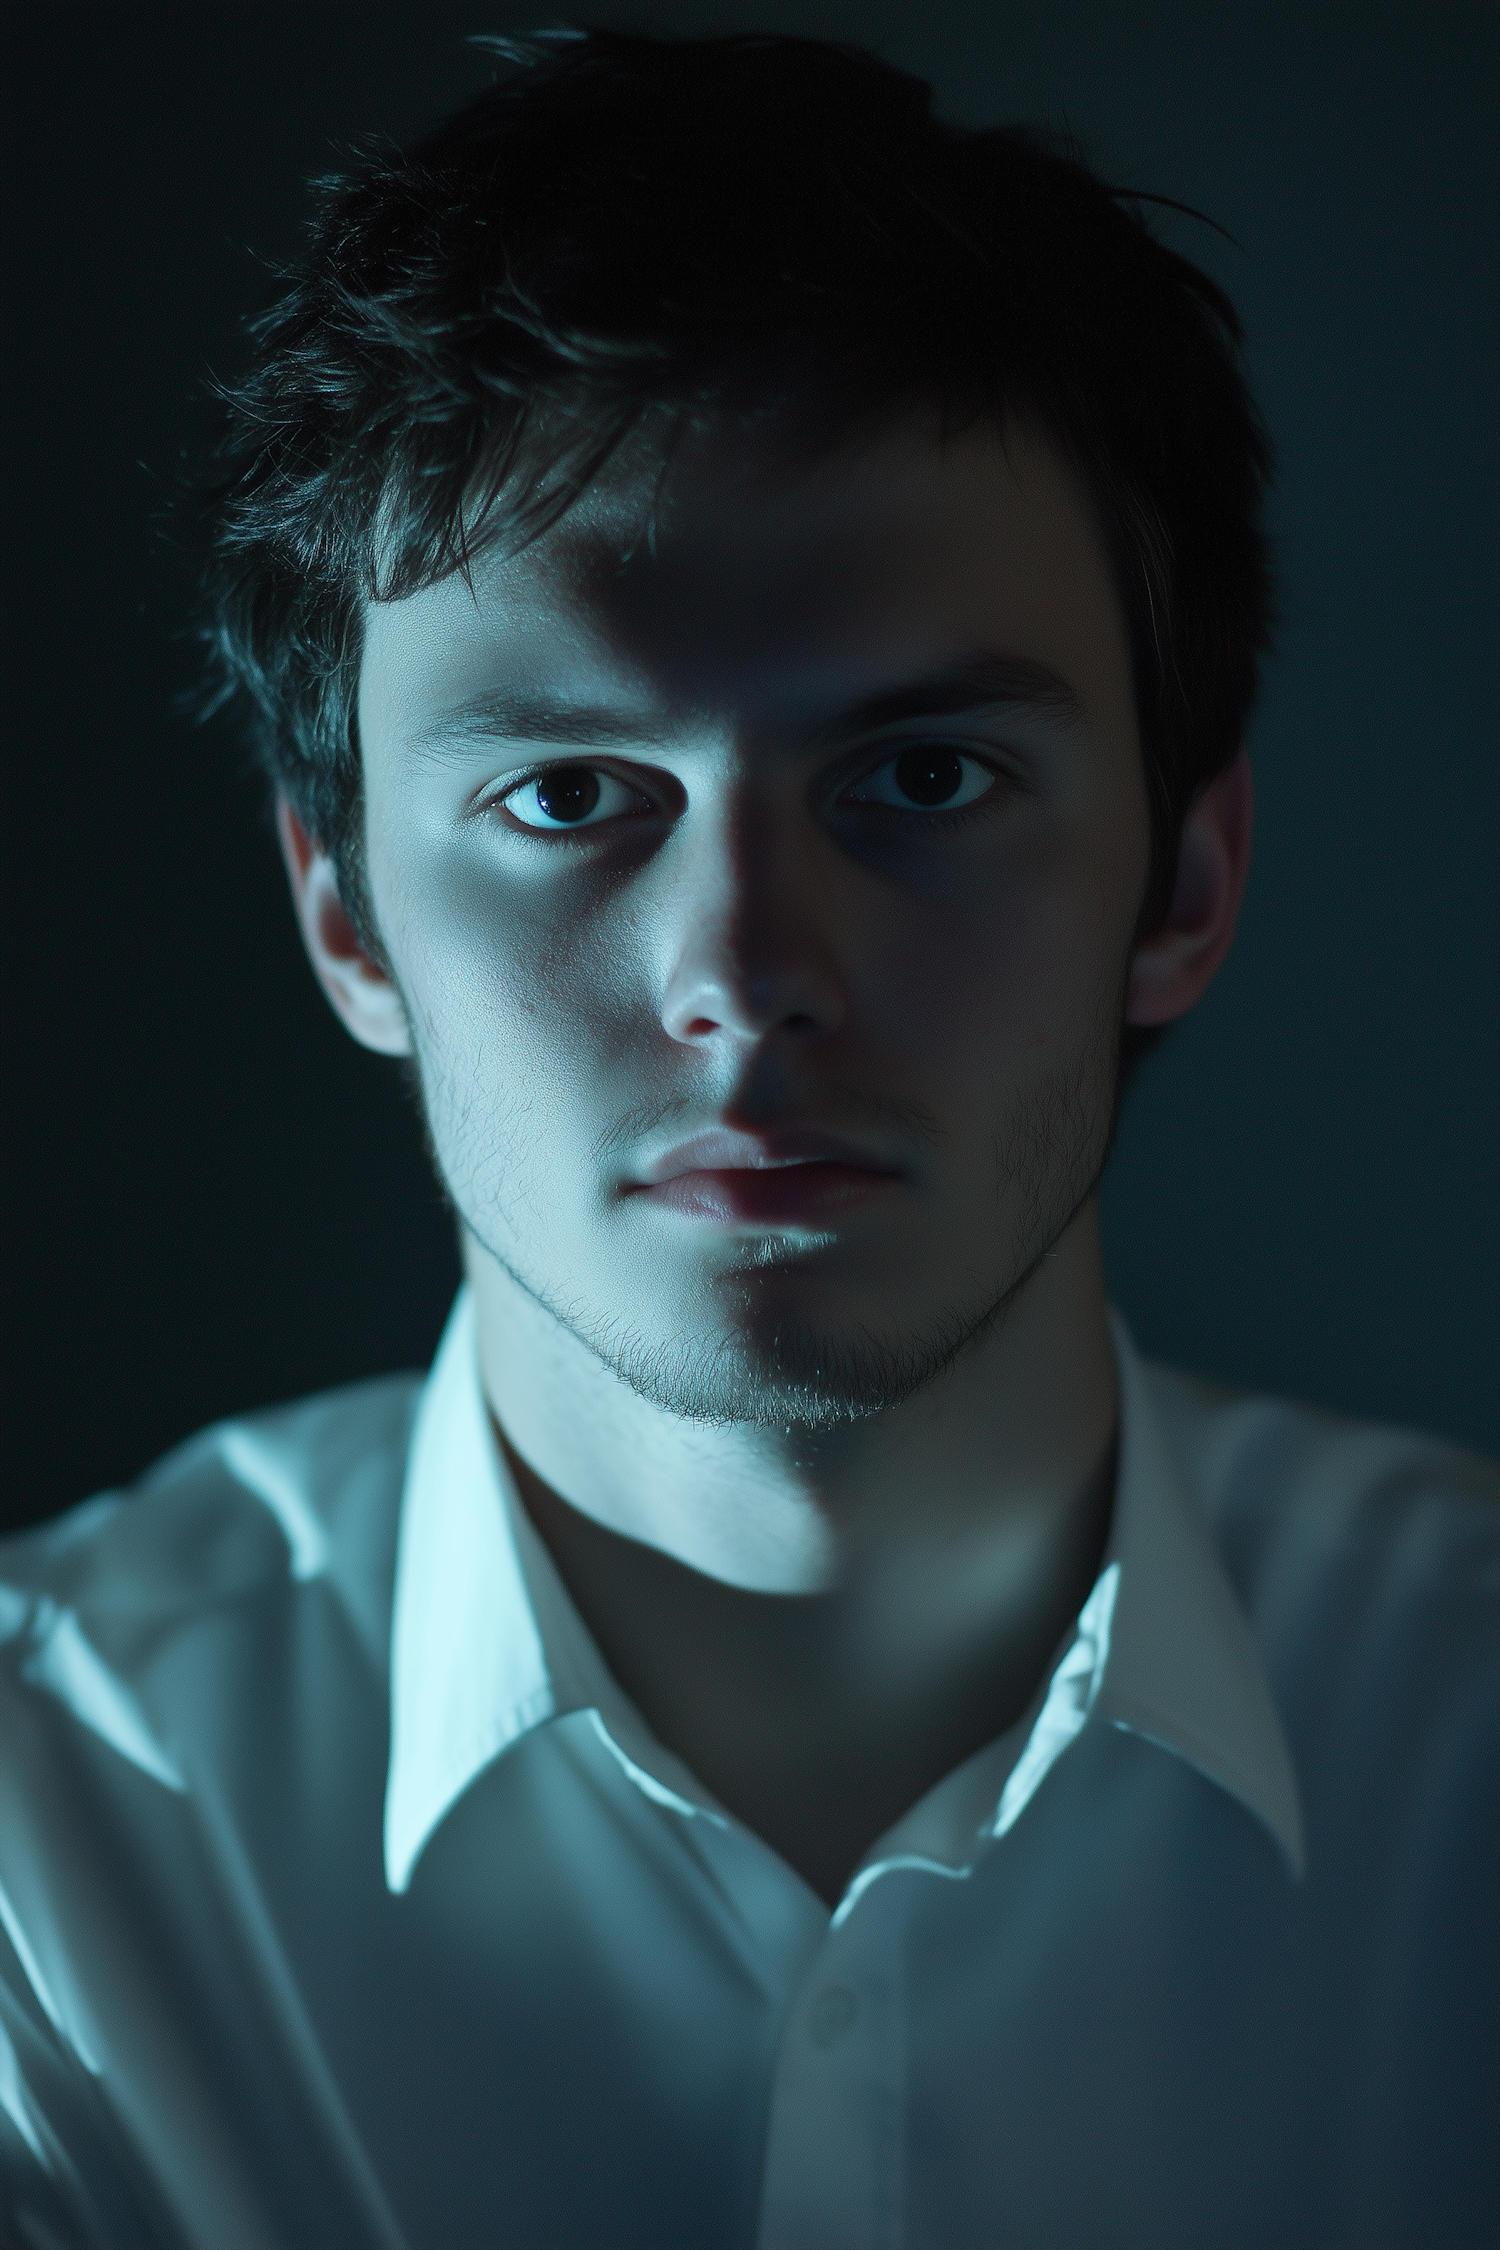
(346, 1897)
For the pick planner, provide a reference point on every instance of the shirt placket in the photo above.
(832, 2177)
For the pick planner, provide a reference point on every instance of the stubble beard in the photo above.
(1050, 1151)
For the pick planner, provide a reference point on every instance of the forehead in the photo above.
(758, 583)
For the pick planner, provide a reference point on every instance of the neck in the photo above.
(822, 1624)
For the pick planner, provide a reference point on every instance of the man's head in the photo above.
(743, 585)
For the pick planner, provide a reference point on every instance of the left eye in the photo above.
(570, 797)
(930, 777)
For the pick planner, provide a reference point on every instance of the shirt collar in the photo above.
(486, 1645)
(485, 1642)
(1182, 1668)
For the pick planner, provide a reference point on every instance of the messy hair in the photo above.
(627, 235)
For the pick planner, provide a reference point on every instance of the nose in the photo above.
(751, 945)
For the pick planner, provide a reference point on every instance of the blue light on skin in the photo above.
(820, 1439)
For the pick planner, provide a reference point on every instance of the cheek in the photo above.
(1009, 974)
(519, 1015)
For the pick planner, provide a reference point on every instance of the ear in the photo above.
(360, 993)
(1176, 964)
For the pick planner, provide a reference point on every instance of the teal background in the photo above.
(213, 1200)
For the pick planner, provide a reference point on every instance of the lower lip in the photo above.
(784, 1195)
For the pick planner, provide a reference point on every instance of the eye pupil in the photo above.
(929, 776)
(568, 793)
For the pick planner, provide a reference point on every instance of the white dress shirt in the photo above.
(348, 1902)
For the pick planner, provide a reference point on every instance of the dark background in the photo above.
(214, 1200)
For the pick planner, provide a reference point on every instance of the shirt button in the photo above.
(832, 2014)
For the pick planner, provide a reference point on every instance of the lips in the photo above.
(796, 1175)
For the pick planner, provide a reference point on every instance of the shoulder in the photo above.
(291, 1495)
(166, 1654)
(1296, 1493)
(1366, 1558)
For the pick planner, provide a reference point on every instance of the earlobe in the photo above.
(1174, 967)
(357, 988)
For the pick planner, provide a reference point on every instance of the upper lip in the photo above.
(723, 1149)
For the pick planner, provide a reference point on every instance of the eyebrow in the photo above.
(981, 682)
(984, 681)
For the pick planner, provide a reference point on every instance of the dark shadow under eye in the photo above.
(930, 774)
(568, 793)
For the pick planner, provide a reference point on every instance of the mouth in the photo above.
(790, 1176)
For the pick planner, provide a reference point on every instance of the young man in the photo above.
(793, 1735)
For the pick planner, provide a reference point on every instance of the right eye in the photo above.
(570, 797)
(929, 777)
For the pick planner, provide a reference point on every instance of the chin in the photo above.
(789, 1370)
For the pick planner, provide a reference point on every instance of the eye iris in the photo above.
(929, 776)
(568, 793)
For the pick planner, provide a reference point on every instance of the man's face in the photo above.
(761, 896)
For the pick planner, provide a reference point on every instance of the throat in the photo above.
(818, 1720)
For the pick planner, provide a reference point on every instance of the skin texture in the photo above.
(824, 1451)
